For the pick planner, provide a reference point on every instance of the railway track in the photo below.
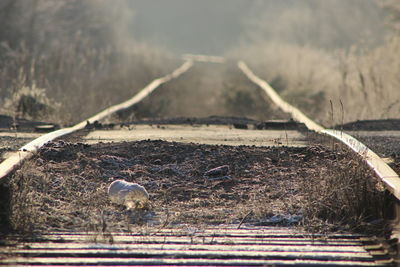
(244, 241)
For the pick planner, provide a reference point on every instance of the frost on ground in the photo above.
(65, 186)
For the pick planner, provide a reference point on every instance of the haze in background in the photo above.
(87, 54)
(190, 26)
(214, 27)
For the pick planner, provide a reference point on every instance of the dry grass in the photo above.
(314, 54)
(344, 195)
(76, 87)
(366, 82)
(30, 207)
(76, 56)
(208, 90)
(64, 188)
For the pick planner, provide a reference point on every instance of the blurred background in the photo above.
(64, 60)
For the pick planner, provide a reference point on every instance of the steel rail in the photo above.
(388, 176)
(24, 153)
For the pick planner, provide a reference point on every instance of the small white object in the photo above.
(129, 194)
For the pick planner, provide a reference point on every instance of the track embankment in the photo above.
(385, 173)
(223, 190)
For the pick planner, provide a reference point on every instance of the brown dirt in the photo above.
(9, 124)
(15, 133)
(387, 146)
(385, 141)
(64, 186)
(11, 143)
(371, 125)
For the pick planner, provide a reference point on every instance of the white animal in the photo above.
(129, 194)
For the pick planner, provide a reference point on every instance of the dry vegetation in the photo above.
(65, 60)
(346, 194)
(209, 90)
(72, 68)
(64, 187)
(316, 53)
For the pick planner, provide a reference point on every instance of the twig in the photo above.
(341, 105)
(244, 218)
(333, 125)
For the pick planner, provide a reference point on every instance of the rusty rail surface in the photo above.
(16, 158)
(388, 176)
